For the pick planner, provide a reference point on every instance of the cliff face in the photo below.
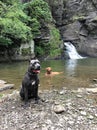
(77, 22)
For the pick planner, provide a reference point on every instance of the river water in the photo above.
(76, 73)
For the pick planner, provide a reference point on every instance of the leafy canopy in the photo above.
(39, 12)
(13, 24)
(38, 9)
(21, 22)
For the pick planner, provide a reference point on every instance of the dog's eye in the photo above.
(36, 62)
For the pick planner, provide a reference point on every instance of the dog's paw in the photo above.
(26, 105)
(36, 101)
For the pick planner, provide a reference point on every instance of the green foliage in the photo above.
(10, 2)
(22, 22)
(54, 41)
(1, 95)
(35, 27)
(14, 29)
(13, 24)
(52, 47)
(39, 12)
(39, 50)
(26, 51)
(5, 41)
(38, 9)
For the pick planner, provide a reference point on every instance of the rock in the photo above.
(77, 22)
(83, 113)
(93, 90)
(62, 92)
(90, 117)
(58, 109)
(79, 96)
(57, 103)
(2, 82)
(6, 86)
(95, 80)
(68, 113)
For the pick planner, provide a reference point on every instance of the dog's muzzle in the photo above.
(35, 66)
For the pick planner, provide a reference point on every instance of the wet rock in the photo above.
(6, 86)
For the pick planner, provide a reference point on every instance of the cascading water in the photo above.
(71, 51)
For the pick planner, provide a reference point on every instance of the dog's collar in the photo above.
(31, 74)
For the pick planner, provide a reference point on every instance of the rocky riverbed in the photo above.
(60, 110)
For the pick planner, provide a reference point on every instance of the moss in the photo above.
(78, 17)
(54, 41)
(1, 95)
(26, 51)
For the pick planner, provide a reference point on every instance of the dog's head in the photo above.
(34, 66)
(48, 70)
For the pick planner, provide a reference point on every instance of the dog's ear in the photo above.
(32, 58)
(49, 68)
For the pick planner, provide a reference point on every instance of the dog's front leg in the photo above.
(36, 94)
(26, 96)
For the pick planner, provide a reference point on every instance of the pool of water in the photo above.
(76, 73)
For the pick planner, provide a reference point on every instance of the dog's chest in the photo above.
(33, 82)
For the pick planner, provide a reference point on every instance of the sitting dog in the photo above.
(30, 82)
(49, 72)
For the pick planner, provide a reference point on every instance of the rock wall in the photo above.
(77, 22)
(23, 52)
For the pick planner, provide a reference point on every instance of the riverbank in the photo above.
(60, 110)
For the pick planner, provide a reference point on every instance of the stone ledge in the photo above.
(6, 86)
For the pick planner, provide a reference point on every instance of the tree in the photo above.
(13, 24)
(21, 22)
(39, 12)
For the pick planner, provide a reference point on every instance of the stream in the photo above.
(77, 73)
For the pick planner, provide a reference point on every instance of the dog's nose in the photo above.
(38, 67)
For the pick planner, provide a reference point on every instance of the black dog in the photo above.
(31, 81)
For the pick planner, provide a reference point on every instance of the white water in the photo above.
(71, 51)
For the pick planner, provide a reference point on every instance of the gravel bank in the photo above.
(61, 110)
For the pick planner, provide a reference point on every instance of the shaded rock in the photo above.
(6, 86)
(95, 80)
(77, 22)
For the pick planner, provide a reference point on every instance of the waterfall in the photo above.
(71, 51)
